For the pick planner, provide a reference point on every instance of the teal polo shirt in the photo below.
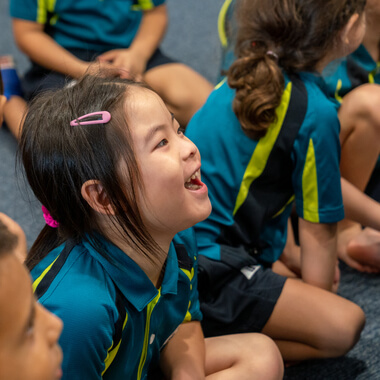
(358, 68)
(96, 25)
(115, 320)
(233, 164)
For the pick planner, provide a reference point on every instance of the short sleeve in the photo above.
(30, 10)
(316, 178)
(146, 5)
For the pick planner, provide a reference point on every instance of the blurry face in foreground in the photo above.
(28, 332)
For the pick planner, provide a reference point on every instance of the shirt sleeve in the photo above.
(316, 178)
(30, 10)
(146, 5)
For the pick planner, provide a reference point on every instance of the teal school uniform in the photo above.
(115, 320)
(233, 163)
(356, 69)
(93, 25)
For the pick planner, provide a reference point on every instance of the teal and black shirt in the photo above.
(115, 320)
(253, 184)
(95, 25)
(356, 69)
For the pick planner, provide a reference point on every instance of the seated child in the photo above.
(121, 186)
(269, 136)
(360, 70)
(29, 334)
(63, 37)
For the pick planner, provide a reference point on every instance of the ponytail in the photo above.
(259, 84)
(275, 36)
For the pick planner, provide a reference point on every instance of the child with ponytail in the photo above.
(118, 181)
(269, 138)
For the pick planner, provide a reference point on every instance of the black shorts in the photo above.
(38, 78)
(236, 299)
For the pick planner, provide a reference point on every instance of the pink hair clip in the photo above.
(48, 218)
(100, 117)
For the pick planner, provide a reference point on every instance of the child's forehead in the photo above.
(143, 100)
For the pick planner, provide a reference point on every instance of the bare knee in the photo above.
(345, 332)
(363, 104)
(243, 356)
(260, 357)
(269, 364)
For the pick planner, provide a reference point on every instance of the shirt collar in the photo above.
(362, 55)
(130, 278)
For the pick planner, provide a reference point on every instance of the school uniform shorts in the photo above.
(236, 300)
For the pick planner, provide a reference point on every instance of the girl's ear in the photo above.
(349, 29)
(95, 195)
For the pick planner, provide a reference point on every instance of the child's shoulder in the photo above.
(72, 278)
(320, 103)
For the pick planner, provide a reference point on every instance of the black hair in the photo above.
(59, 158)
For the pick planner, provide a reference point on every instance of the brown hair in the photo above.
(276, 35)
(59, 158)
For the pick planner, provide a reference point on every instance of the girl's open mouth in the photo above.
(194, 182)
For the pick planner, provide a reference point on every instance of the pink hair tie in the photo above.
(48, 218)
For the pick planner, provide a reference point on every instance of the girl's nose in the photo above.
(191, 149)
(54, 325)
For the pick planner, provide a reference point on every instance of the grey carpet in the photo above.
(192, 39)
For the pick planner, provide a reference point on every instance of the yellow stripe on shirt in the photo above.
(145, 5)
(144, 353)
(263, 149)
(113, 351)
(310, 186)
(43, 274)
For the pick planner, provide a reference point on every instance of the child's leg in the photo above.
(360, 141)
(243, 356)
(289, 263)
(308, 323)
(14, 111)
(182, 89)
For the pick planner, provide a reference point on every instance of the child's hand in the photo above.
(94, 69)
(126, 59)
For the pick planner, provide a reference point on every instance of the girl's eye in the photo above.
(181, 131)
(162, 143)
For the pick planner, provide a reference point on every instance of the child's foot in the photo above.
(365, 249)
(359, 249)
(11, 81)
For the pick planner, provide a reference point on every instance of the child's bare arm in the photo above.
(359, 207)
(318, 243)
(42, 49)
(184, 355)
